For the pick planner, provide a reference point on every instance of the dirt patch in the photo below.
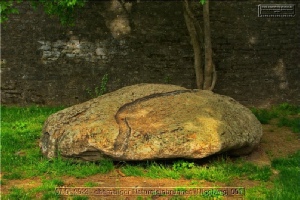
(276, 142)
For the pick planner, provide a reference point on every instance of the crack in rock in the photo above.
(121, 142)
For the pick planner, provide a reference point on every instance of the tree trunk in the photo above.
(206, 75)
(194, 29)
(209, 68)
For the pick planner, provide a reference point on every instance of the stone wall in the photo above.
(43, 62)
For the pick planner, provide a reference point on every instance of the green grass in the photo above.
(287, 184)
(293, 123)
(20, 131)
(286, 115)
(263, 115)
(48, 188)
(18, 193)
(258, 192)
(21, 158)
(90, 184)
(221, 171)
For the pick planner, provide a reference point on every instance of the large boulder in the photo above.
(151, 121)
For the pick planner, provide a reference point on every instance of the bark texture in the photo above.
(194, 29)
(205, 72)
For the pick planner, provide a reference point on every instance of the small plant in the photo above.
(182, 165)
(167, 79)
(99, 91)
(263, 115)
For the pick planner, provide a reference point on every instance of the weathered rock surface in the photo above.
(151, 121)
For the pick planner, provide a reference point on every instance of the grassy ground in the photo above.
(26, 174)
(287, 115)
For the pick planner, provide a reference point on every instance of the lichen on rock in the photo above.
(151, 121)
